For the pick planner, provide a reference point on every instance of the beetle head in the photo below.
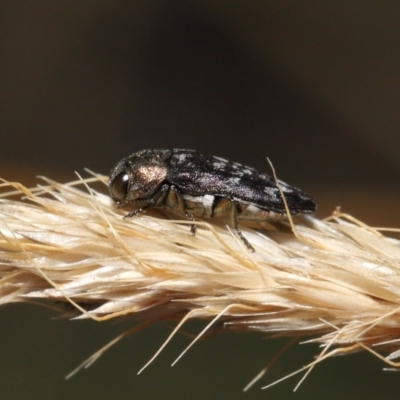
(132, 179)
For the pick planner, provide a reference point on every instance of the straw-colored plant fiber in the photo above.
(337, 280)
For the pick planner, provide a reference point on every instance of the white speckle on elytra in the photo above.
(238, 173)
(234, 181)
(270, 191)
(219, 165)
(182, 158)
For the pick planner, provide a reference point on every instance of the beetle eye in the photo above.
(119, 186)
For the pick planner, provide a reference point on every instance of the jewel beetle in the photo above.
(200, 185)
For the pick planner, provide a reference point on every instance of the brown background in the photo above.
(315, 87)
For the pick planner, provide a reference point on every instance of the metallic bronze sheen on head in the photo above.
(136, 177)
(151, 173)
(145, 180)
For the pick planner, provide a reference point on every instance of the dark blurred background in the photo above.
(313, 86)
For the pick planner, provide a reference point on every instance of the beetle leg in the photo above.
(175, 202)
(226, 207)
(155, 201)
(193, 227)
(136, 212)
(234, 223)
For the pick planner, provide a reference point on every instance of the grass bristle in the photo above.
(337, 281)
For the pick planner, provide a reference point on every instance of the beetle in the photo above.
(195, 184)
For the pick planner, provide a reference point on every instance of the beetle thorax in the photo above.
(146, 179)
